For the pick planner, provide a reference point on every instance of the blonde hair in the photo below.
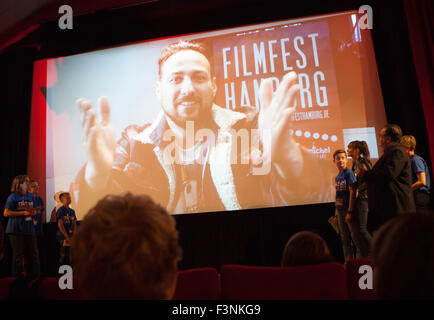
(18, 180)
(409, 141)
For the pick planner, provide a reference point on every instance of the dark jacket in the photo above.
(389, 187)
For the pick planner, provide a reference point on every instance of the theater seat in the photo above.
(353, 276)
(197, 284)
(49, 290)
(5, 285)
(313, 282)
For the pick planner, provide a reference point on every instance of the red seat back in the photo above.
(354, 275)
(5, 285)
(49, 290)
(197, 284)
(321, 281)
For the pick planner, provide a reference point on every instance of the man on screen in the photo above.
(190, 159)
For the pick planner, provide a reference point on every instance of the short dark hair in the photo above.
(304, 248)
(18, 180)
(126, 248)
(394, 132)
(181, 45)
(337, 152)
(63, 194)
(403, 257)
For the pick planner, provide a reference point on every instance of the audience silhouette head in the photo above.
(304, 248)
(127, 248)
(403, 257)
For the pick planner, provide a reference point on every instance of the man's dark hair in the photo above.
(403, 257)
(173, 48)
(394, 132)
(126, 248)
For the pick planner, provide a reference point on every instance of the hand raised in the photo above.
(275, 117)
(99, 141)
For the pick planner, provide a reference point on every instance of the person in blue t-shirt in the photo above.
(420, 179)
(345, 187)
(2, 233)
(67, 223)
(38, 204)
(38, 221)
(21, 229)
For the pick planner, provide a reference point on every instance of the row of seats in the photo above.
(330, 281)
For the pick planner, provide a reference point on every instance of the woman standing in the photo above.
(21, 230)
(357, 220)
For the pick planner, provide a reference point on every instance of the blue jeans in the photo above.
(358, 227)
(345, 234)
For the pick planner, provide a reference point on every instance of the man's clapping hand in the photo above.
(99, 140)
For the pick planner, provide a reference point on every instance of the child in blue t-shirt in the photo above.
(345, 187)
(420, 179)
(67, 223)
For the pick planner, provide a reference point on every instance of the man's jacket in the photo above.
(140, 167)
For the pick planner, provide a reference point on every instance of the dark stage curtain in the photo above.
(15, 92)
(420, 26)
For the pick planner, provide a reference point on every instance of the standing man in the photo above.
(389, 180)
(188, 159)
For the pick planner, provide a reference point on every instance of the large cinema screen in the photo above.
(239, 118)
